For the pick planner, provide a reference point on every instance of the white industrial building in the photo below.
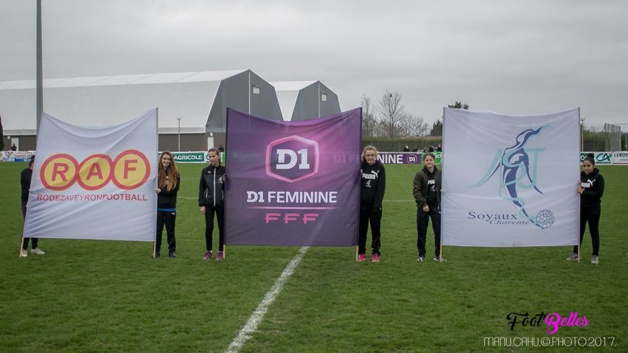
(302, 100)
(192, 106)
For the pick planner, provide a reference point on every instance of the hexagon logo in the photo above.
(292, 158)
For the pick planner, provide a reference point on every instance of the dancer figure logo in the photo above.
(517, 170)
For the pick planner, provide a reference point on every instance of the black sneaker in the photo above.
(157, 254)
(172, 254)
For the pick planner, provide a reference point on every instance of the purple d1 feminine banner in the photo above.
(293, 183)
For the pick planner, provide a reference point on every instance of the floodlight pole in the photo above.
(179, 134)
(391, 117)
(40, 81)
(581, 134)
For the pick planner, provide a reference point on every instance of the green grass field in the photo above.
(105, 296)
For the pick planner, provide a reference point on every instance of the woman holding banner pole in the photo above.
(211, 201)
(25, 181)
(591, 189)
(168, 182)
(373, 186)
(426, 190)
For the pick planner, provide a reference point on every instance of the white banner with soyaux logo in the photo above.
(521, 190)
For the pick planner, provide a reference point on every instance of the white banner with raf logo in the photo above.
(94, 183)
(510, 180)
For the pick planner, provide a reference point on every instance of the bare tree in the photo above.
(390, 119)
(382, 130)
(369, 121)
(422, 127)
(411, 125)
(391, 110)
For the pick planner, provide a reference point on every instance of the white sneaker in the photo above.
(23, 253)
(595, 260)
(37, 251)
(573, 257)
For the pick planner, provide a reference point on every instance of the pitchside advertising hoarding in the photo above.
(601, 157)
(620, 158)
(614, 158)
(405, 157)
(194, 157)
(16, 156)
(190, 157)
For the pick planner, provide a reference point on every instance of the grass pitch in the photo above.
(105, 296)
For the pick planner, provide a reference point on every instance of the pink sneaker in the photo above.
(361, 257)
(221, 256)
(375, 258)
(208, 255)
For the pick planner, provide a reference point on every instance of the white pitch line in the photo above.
(257, 317)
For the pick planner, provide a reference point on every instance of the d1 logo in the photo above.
(292, 158)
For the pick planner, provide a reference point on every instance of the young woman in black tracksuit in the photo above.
(211, 201)
(168, 182)
(591, 189)
(373, 186)
(426, 189)
(25, 180)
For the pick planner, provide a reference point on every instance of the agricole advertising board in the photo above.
(384, 157)
(191, 157)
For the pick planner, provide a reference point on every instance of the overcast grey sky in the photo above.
(512, 57)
